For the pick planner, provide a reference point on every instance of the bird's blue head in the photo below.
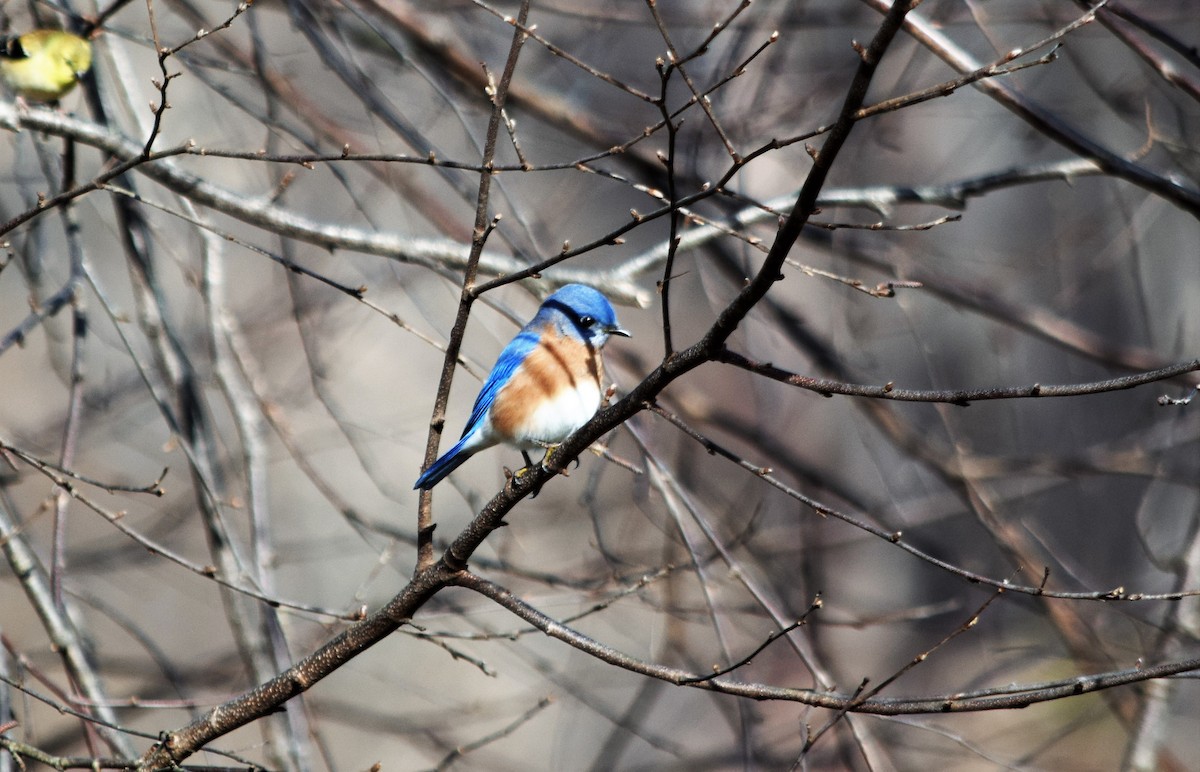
(581, 311)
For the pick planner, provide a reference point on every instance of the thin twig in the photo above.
(961, 397)
(484, 224)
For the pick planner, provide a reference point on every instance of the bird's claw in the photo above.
(511, 476)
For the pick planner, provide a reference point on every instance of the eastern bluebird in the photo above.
(545, 385)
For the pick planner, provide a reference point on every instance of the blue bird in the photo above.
(545, 385)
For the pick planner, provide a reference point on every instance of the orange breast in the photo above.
(554, 392)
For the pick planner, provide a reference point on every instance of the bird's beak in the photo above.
(619, 331)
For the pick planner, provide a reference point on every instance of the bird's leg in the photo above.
(524, 471)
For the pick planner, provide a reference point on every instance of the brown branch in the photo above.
(1046, 121)
(961, 397)
(1005, 697)
(262, 700)
(766, 473)
(1117, 22)
(484, 224)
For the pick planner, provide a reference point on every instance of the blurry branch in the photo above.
(172, 376)
(882, 199)
(20, 749)
(260, 212)
(679, 503)
(499, 734)
(961, 397)
(310, 20)
(308, 120)
(671, 203)
(1039, 321)
(91, 24)
(980, 72)
(154, 488)
(1182, 625)
(695, 525)
(433, 159)
(263, 699)
(289, 735)
(359, 293)
(530, 99)
(1113, 458)
(767, 474)
(642, 583)
(44, 310)
(60, 124)
(1016, 541)
(531, 32)
(1118, 23)
(619, 282)
(142, 632)
(1187, 50)
(954, 195)
(963, 474)
(210, 572)
(1045, 121)
(774, 636)
(880, 226)
(865, 694)
(68, 641)
(188, 412)
(998, 698)
(23, 752)
(441, 56)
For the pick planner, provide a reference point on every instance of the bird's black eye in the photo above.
(13, 49)
(586, 321)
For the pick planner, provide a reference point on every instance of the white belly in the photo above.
(554, 421)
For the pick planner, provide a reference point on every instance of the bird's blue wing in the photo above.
(506, 364)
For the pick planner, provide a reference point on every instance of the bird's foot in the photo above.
(546, 462)
(512, 476)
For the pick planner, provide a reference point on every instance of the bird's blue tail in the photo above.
(449, 461)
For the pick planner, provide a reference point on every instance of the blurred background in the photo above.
(264, 313)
